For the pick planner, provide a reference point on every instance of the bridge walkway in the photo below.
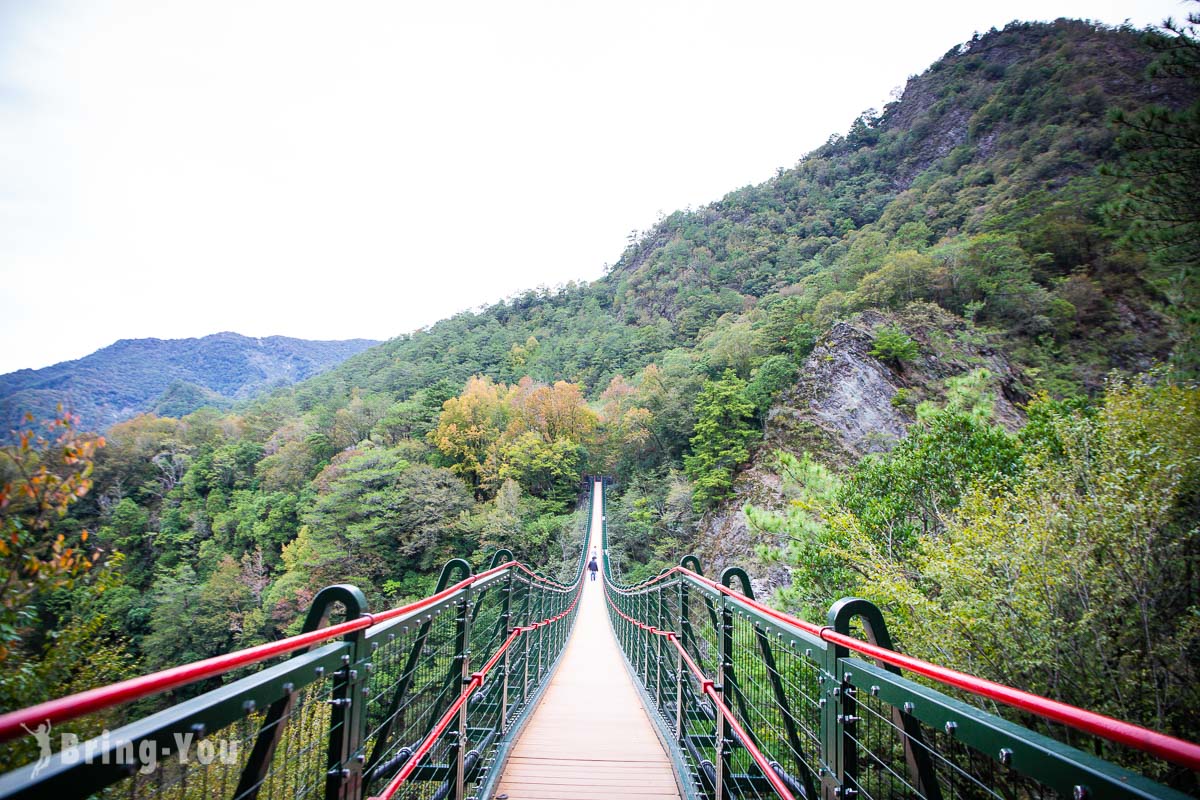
(590, 736)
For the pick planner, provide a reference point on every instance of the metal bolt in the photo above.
(320, 672)
(248, 706)
(1080, 792)
(847, 676)
(909, 708)
(951, 727)
(875, 691)
(1006, 756)
(198, 729)
(345, 659)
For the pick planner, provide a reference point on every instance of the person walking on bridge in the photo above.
(593, 567)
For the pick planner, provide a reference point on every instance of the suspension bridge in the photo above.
(511, 684)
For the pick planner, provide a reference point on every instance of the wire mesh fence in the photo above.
(759, 705)
(428, 690)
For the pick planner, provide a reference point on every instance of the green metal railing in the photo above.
(431, 692)
(761, 705)
(425, 700)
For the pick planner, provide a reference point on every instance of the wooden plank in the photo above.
(589, 738)
(584, 780)
(575, 792)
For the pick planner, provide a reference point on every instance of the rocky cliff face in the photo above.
(848, 403)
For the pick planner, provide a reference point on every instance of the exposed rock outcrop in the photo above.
(848, 403)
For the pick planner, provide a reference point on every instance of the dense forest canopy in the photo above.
(1005, 205)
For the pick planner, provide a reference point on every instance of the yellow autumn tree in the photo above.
(469, 427)
(532, 433)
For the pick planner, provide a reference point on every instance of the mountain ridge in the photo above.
(1000, 138)
(131, 376)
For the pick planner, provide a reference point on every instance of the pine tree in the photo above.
(720, 441)
(1162, 173)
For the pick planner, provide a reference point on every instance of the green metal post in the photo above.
(679, 676)
(781, 698)
(848, 721)
(645, 648)
(725, 634)
(632, 611)
(659, 613)
(462, 643)
(277, 714)
(831, 733)
(453, 571)
(921, 770)
(685, 628)
(343, 773)
(527, 640)
(541, 632)
(506, 615)
(555, 628)
(627, 607)
(626, 604)
(634, 630)
(560, 627)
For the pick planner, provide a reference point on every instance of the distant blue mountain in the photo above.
(167, 376)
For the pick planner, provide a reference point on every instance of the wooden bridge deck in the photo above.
(589, 737)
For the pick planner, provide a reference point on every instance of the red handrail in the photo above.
(100, 698)
(1168, 748)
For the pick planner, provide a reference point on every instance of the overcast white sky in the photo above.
(362, 169)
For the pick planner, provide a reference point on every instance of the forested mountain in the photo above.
(978, 189)
(945, 323)
(170, 377)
